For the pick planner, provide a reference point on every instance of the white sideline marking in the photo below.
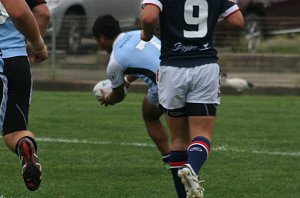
(219, 148)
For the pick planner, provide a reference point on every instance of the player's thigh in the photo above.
(17, 70)
(150, 108)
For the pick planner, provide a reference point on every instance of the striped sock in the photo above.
(166, 159)
(177, 159)
(198, 152)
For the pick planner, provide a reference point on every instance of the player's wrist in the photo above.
(126, 80)
(38, 45)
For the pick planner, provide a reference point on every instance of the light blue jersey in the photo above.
(132, 56)
(10, 36)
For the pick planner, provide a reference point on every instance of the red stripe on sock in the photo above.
(174, 164)
(203, 144)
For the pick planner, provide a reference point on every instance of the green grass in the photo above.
(280, 45)
(87, 155)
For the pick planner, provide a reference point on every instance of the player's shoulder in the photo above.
(132, 36)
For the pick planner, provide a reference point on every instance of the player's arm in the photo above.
(42, 16)
(234, 19)
(128, 79)
(149, 20)
(116, 74)
(41, 13)
(25, 22)
(116, 96)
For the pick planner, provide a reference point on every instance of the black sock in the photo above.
(177, 159)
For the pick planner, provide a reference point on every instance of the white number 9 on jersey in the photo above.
(201, 19)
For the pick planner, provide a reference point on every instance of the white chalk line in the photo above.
(137, 144)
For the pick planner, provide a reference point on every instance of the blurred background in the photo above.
(266, 52)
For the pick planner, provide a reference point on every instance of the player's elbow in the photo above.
(236, 20)
(149, 15)
(148, 20)
(240, 23)
(42, 12)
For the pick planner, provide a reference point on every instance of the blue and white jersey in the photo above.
(187, 27)
(130, 55)
(12, 42)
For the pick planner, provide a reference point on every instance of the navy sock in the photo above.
(166, 158)
(177, 159)
(198, 152)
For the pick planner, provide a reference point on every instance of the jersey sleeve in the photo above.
(229, 8)
(33, 3)
(153, 2)
(115, 73)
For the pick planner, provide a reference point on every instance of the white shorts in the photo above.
(178, 86)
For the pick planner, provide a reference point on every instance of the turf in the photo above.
(90, 151)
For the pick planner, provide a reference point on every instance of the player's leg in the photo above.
(172, 91)
(156, 131)
(201, 110)
(15, 127)
(201, 129)
(180, 140)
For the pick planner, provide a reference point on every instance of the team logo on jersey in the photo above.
(179, 47)
(112, 76)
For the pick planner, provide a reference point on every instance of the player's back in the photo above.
(137, 57)
(187, 28)
(130, 51)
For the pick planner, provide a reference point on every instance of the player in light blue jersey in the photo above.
(16, 72)
(132, 58)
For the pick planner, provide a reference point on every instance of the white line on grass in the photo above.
(219, 148)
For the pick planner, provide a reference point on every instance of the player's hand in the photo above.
(37, 55)
(104, 98)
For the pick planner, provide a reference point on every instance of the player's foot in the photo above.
(31, 168)
(190, 181)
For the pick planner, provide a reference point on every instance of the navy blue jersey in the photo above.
(33, 3)
(187, 27)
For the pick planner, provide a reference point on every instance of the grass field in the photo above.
(90, 151)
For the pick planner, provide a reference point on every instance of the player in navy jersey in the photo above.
(16, 70)
(132, 58)
(189, 76)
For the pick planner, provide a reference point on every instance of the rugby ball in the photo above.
(104, 85)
